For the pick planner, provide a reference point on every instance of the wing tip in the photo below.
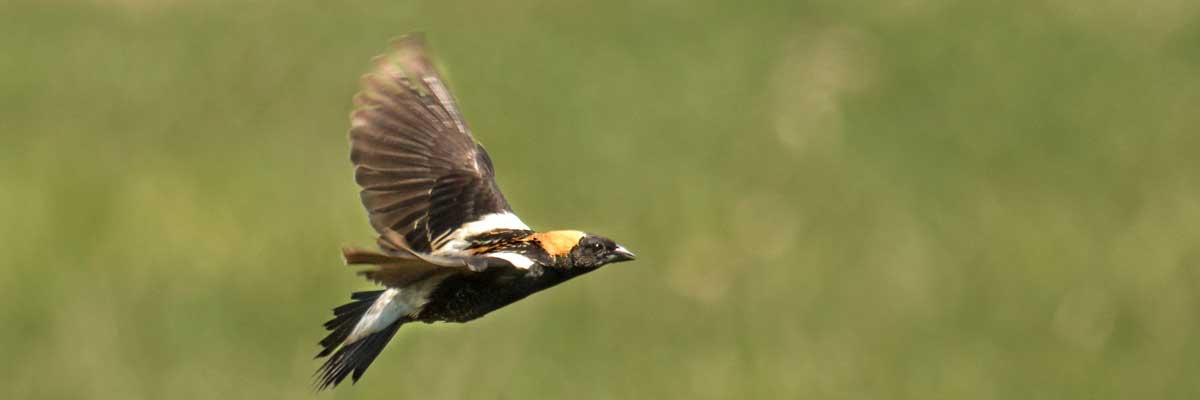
(413, 42)
(411, 51)
(359, 256)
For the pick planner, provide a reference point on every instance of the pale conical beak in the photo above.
(621, 254)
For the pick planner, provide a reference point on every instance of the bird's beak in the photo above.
(620, 254)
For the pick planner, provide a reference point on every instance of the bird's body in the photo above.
(466, 297)
(451, 248)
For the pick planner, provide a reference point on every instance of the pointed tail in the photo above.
(370, 335)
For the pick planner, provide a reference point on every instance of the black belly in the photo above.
(466, 296)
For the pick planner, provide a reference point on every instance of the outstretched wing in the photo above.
(422, 174)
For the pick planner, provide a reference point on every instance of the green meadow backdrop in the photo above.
(831, 200)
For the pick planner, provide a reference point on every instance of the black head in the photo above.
(595, 251)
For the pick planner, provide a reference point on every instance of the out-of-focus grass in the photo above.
(917, 199)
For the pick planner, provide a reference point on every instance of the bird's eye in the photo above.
(597, 246)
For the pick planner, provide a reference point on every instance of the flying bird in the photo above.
(450, 247)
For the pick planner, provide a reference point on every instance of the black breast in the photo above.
(467, 296)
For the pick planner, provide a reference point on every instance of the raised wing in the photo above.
(422, 174)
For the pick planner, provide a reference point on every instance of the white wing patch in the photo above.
(515, 259)
(455, 243)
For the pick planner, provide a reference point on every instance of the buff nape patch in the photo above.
(558, 243)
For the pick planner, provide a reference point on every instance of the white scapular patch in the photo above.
(455, 243)
(392, 304)
(515, 259)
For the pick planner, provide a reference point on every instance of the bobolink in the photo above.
(451, 249)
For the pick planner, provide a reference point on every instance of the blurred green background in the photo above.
(845, 200)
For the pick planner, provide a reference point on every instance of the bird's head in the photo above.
(593, 251)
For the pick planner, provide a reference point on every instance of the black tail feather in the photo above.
(351, 359)
(345, 318)
(354, 358)
(366, 295)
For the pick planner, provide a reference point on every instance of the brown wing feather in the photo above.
(421, 172)
(392, 271)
